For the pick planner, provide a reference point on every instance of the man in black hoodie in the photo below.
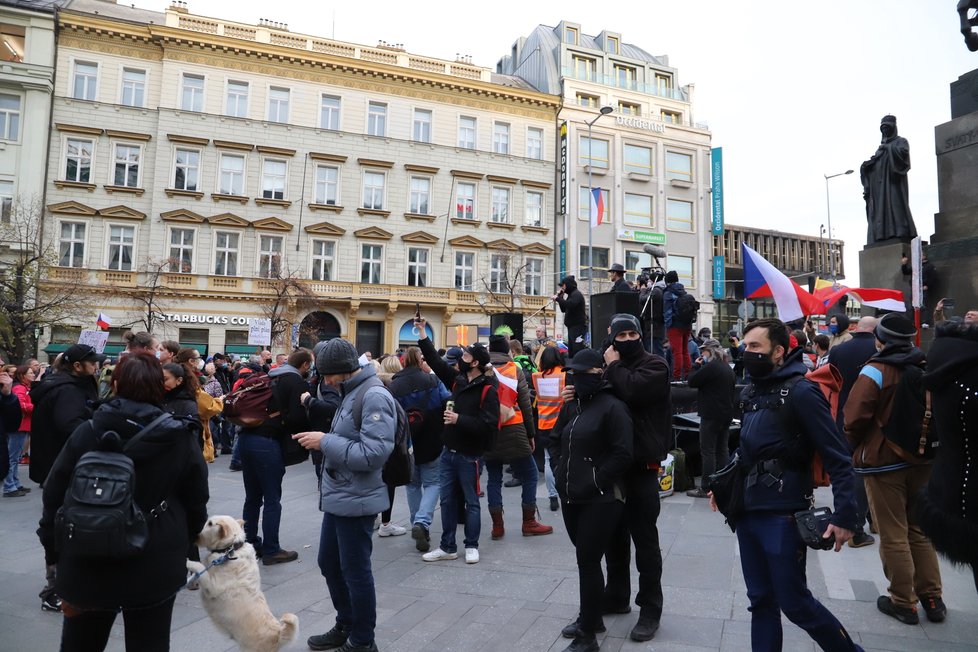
(571, 303)
(641, 380)
(714, 381)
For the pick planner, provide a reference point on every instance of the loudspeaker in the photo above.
(511, 319)
(606, 304)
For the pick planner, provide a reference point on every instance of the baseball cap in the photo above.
(81, 353)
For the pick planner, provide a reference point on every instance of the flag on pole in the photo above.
(508, 393)
(880, 298)
(597, 207)
(103, 321)
(762, 279)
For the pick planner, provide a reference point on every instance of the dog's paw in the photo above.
(194, 566)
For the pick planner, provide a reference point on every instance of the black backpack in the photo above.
(399, 467)
(910, 430)
(99, 516)
(686, 309)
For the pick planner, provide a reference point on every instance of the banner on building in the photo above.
(717, 186)
(562, 248)
(563, 168)
(719, 277)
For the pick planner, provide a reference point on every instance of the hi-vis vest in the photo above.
(548, 407)
(509, 392)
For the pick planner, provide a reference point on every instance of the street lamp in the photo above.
(828, 211)
(820, 258)
(603, 111)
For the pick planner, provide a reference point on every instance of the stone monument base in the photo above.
(879, 267)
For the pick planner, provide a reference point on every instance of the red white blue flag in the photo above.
(762, 279)
(597, 207)
(103, 321)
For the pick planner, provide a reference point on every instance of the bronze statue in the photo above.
(884, 178)
(969, 23)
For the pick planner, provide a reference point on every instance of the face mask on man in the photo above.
(586, 385)
(758, 365)
(628, 349)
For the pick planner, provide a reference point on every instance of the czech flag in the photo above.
(762, 279)
(597, 207)
(103, 321)
(880, 298)
(508, 393)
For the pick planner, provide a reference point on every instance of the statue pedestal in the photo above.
(879, 267)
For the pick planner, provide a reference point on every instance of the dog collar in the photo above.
(228, 553)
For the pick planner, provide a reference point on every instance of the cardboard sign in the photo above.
(94, 339)
(260, 332)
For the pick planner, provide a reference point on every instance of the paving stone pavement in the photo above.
(517, 598)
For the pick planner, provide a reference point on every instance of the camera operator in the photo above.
(650, 286)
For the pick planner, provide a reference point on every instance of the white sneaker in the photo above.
(471, 555)
(439, 555)
(390, 530)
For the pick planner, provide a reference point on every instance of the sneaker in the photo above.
(331, 639)
(16, 493)
(698, 492)
(25, 459)
(644, 629)
(390, 530)
(935, 608)
(583, 643)
(51, 602)
(860, 539)
(234, 467)
(572, 630)
(513, 482)
(422, 539)
(554, 503)
(906, 615)
(471, 555)
(280, 557)
(439, 555)
(350, 647)
(26, 490)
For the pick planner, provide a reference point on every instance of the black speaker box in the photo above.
(606, 304)
(511, 319)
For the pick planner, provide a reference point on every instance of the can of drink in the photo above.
(450, 406)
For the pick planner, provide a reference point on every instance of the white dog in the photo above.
(231, 591)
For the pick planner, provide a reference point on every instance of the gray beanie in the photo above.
(621, 322)
(337, 357)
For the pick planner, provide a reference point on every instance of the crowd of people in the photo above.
(596, 422)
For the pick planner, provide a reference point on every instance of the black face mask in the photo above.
(465, 367)
(628, 349)
(758, 365)
(586, 385)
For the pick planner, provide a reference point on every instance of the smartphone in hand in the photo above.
(417, 311)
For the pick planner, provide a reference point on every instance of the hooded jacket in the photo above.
(669, 296)
(572, 304)
(591, 448)
(168, 465)
(763, 437)
(714, 383)
(843, 335)
(353, 458)
(642, 383)
(947, 509)
(62, 402)
(869, 406)
(413, 388)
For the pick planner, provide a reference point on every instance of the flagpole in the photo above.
(604, 110)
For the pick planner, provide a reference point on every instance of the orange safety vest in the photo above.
(548, 407)
(510, 370)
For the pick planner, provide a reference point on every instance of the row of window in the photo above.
(637, 159)
(125, 171)
(593, 101)
(279, 99)
(635, 260)
(506, 273)
(638, 210)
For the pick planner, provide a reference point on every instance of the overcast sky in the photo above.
(791, 91)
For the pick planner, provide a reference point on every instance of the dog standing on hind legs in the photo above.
(231, 591)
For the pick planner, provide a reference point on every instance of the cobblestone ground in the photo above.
(517, 598)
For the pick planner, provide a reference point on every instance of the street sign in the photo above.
(717, 189)
(719, 277)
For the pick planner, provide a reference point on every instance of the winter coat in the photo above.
(288, 386)
(572, 305)
(672, 292)
(843, 335)
(849, 357)
(354, 458)
(870, 404)
(476, 403)
(763, 437)
(10, 418)
(224, 376)
(26, 406)
(413, 388)
(621, 285)
(62, 402)
(715, 383)
(169, 467)
(643, 384)
(591, 448)
(947, 509)
(208, 407)
(513, 441)
(321, 406)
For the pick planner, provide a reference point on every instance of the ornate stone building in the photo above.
(204, 172)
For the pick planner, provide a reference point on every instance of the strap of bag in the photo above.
(146, 430)
(924, 426)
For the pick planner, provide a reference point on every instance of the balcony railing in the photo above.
(631, 85)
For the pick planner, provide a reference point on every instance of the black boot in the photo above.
(583, 643)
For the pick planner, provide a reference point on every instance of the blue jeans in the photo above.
(15, 448)
(236, 446)
(772, 556)
(422, 493)
(345, 545)
(548, 474)
(262, 469)
(525, 469)
(462, 470)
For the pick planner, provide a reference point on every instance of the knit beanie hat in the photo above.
(337, 357)
(895, 329)
(499, 344)
(624, 322)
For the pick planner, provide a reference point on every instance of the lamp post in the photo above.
(820, 258)
(828, 212)
(604, 110)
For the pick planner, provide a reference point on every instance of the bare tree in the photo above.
(150, 299)
(504, 284)
(285, 289)
(31, 298)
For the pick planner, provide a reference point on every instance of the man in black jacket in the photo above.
(641, 380)
(616, 274)
(653, 323)
(714, 381)
(849, 358)
(571, 303)
(10, 417)
(470, 427)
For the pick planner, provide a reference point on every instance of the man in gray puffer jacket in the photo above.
(352, 493)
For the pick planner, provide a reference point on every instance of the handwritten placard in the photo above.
(94, 339)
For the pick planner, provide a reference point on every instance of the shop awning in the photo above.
(58, 347)
(241, 349)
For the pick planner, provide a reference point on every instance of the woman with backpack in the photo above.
(170, 489)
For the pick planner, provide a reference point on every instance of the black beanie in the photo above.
(895, 329)
(498, 344)
(672, 276)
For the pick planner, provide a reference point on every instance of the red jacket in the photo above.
(26, 406)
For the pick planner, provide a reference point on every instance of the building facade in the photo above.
(204, 172)
(648, 156)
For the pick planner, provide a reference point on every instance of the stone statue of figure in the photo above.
(968, 23)
(884, 178)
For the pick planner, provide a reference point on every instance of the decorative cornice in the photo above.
(127, 135)
(502, 243)
(423, 217)
(537, 248)
(241, 199)
(72, 208)
(373, 233)
(325, 228)
(333, 158)
(271, 224)
(374, 163)
(122, 212)
(79, 129)
(467, 241)
(529, 183)
(425, 169)
(462, 174)
(230, 144)
(501, 225)
(274, 151)
(125, 190)
(228, 219)
(182, 215)
(187, 140)
(420, 237)
(325, 207)
(534, 229)
(494, 179)
(475, 224)
(174, 192)
(373, 211)
(61, 184)
(282, 203)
